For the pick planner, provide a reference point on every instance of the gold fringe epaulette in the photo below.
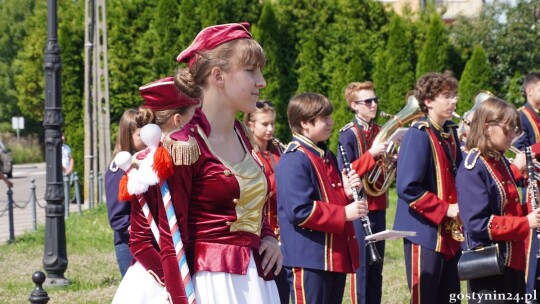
(250, 137)
(472, 157)
(183, 152)
(346, 127)
(420, 125)
(292, 146)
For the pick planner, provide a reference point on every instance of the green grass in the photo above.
(94, 274)
(92, 268)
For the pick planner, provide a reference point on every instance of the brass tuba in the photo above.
(385, 165)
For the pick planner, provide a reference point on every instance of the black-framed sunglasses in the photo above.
(368, 101)
(261, 104)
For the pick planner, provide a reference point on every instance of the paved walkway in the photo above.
(23, 211)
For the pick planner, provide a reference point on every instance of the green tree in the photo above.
(434, 54)
(129, 67)
(354, 36)
(515, 92)
(268, 33)
(476, 77)
(30, 81)
(12, 32)
(394, 72)
(190, 23)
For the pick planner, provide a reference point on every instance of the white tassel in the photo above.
(134, 187)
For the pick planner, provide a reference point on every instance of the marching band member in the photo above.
(268, 150)
(167, 107)
(428, 158)
(127, 139)
(218, 189)
(530, 123)
(317, 236)
(356, 138)
(488, 197)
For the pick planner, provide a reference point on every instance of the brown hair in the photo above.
(492, 110)
(354, 87)
(531, 78)
(432, 84)
(147, 116)
(227, 56)
(126, 127)
(306, 107)
(265, 108)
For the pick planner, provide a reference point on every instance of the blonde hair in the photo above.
(265, 108)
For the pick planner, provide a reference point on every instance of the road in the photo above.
(22, 217)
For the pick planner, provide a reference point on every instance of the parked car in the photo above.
(6, 162)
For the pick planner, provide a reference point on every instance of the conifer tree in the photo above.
(434, 54)
(394, 73)
(476, 77)
(268, 33)
(129, 67)
(189, 23)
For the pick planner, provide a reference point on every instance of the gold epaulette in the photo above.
(346, 127)
(522, 108)
(182, 147)
(420, 125)
(472, 157)
(292, 146)
(250, 137)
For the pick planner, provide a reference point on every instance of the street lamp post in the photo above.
(55, 257)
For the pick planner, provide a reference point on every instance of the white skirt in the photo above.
(139, 287)
(221, 287)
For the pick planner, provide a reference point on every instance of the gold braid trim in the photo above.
(182, 152)
(250, 137)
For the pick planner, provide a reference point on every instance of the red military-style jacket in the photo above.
(219, 228)
(269, 160)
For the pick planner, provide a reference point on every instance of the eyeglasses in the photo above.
(262, 104)
(368, 101)
(448, 95)
(511, 130)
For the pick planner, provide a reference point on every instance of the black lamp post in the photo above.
(55, 257)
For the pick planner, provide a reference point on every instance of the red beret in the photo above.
(164, 95)
(211, 37)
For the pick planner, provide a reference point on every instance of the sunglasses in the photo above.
(262, 104)
(368, 101)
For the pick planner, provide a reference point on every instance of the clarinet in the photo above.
(374, 257)
(532, 189)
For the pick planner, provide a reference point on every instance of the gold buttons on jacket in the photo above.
(227, 172)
